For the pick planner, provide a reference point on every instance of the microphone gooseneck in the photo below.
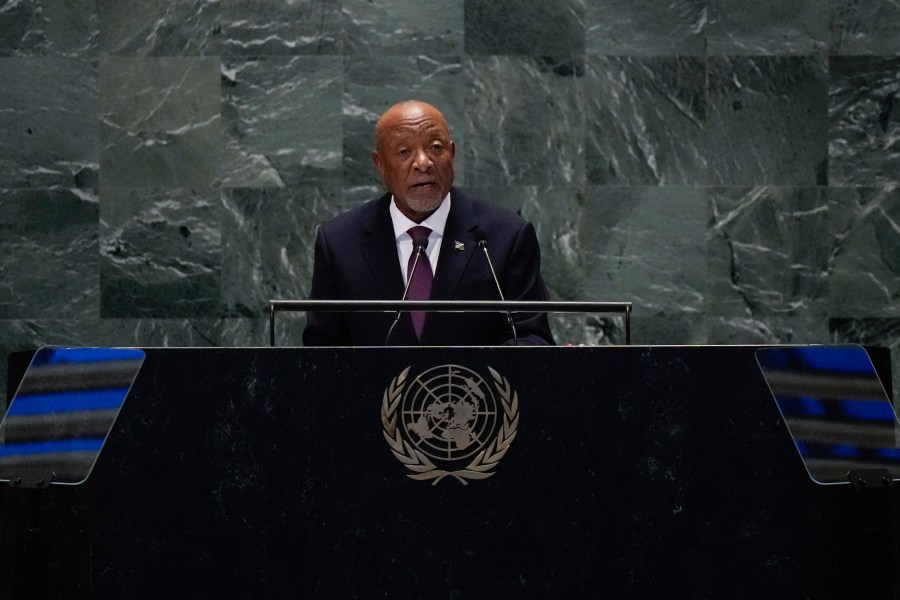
(482, 243)
(418, 251)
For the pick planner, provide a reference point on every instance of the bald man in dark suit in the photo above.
(368, 253)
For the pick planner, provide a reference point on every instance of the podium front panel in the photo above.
(267, 473)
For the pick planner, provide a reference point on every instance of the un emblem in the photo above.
(447, 422)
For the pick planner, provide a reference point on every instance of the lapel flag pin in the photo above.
(459, 245)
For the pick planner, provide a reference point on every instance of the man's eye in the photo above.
(437, 148)
(403, 151)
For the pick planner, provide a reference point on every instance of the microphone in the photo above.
(418, 251)
(481, 239)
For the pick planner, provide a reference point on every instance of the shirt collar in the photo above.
(436, 221)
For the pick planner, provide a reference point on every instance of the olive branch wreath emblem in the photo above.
(423, 469)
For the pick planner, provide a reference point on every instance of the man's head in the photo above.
(414, 154)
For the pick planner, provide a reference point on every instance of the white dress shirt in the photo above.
(436, 222)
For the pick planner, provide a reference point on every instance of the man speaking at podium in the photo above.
(423, 240)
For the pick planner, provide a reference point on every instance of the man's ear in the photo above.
(376, 160)
(452, 149)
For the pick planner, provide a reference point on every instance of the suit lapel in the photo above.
(380, 251)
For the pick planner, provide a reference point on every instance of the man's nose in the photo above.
(423, 161)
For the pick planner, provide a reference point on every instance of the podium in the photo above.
(629, 472)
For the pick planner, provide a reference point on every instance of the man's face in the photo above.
(414, 154)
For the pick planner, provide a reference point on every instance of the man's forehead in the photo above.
(407, 126)
(417, 116)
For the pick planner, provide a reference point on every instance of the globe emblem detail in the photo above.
(448, 423)
(449, 412)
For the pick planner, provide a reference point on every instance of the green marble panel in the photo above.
(865, 27)
(48, 120)
(672, 328)
(532, 27)
(767, 27)
(166, 333)
(767, 120)
(282, 120)
(646, 120)
(271, 27)
(864, 121)
(159, 27)
(161, 122)
(161, 253)
(646, 27)
(270, 237)
(48, 254)
(194, 332)
(49, 28)
(524, 121)
(806, 328)
(865, 281)
(403, 26)
(772, 250)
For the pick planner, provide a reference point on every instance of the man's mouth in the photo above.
(423, 184)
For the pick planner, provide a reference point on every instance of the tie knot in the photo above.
(419, 235)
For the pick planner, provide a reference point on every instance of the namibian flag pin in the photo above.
(459, 246)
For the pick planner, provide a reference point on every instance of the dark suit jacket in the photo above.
(356, 259)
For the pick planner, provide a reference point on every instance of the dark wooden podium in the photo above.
(635, 472)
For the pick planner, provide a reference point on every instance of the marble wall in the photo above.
(730, 167)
